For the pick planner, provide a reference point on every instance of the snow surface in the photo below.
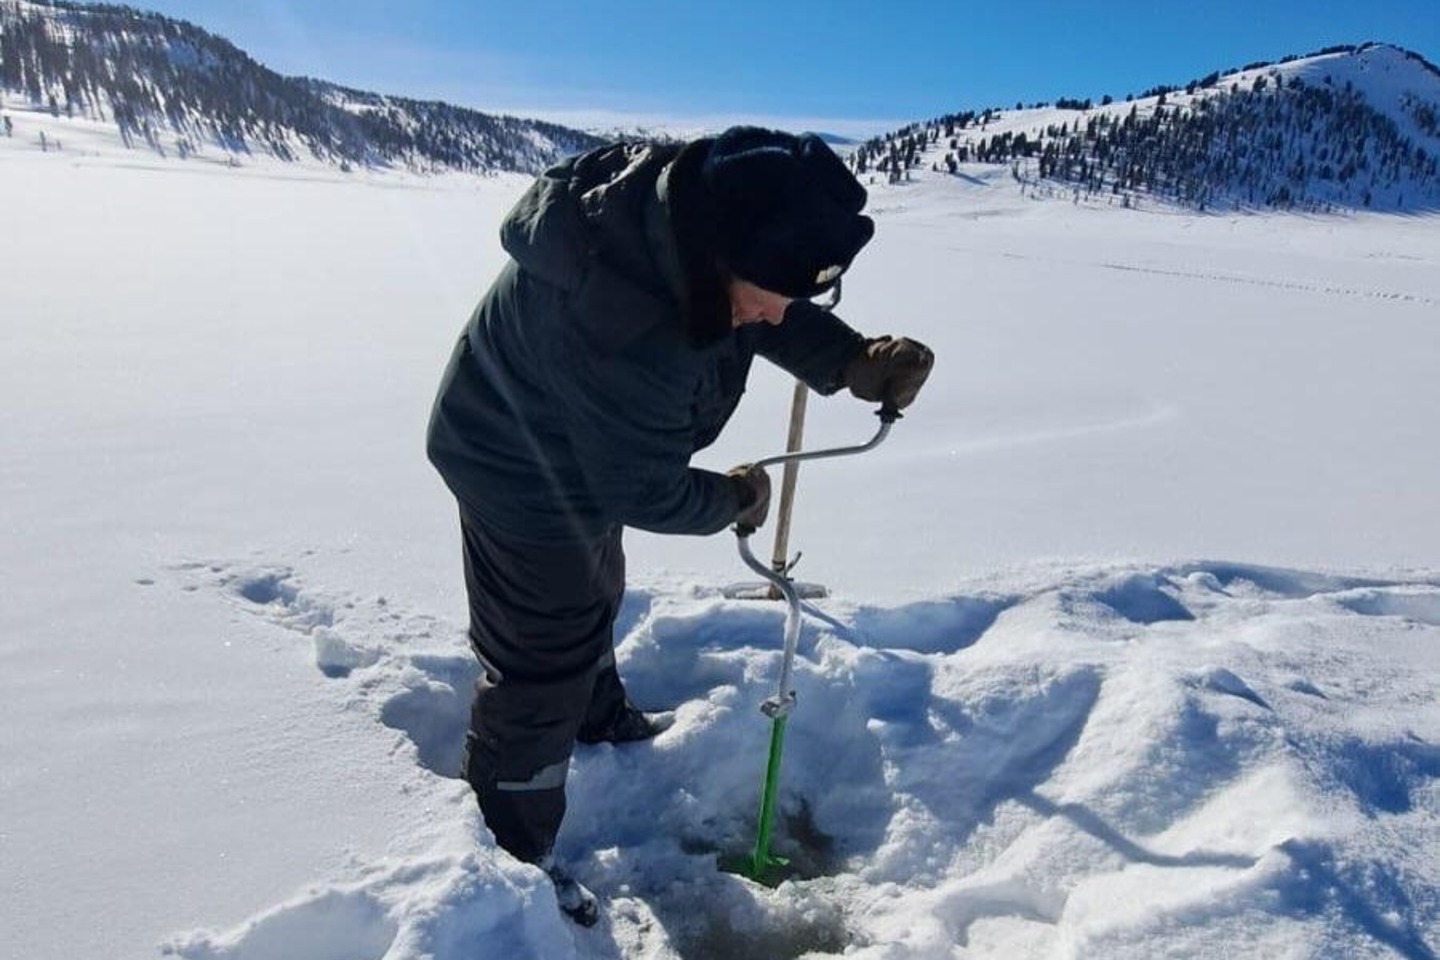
(1132, 649)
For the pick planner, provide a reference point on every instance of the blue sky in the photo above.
(856, 63)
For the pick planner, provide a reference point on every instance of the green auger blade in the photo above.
(761, 865)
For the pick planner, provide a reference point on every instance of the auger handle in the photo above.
(784, 698)
(888, 414)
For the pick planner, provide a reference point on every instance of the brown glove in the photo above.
(752, 486)
(889, 370)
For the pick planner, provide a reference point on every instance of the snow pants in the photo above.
(541, 622)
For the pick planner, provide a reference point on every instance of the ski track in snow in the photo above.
(1211, 276)
(943, 784)
(1297, 285)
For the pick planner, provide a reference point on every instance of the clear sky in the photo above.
(875, 62)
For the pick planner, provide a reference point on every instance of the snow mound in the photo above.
(1226, 757)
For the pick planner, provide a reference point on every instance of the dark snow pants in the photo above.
(541, 622)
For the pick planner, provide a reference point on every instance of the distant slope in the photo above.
(1350, 127)
(176, 89)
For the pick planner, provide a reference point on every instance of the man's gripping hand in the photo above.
(752, 488)
(887, 370)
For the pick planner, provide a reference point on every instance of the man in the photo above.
(614, 345)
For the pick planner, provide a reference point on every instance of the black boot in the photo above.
(631, 724)
(612, 718)
(576, 900)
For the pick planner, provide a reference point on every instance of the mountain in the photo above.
(1347, 127)
(175, 88)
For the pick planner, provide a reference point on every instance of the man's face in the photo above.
(752, 304)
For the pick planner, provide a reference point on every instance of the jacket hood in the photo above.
(596, 209)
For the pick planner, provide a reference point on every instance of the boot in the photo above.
(575, 899)
(630, 725)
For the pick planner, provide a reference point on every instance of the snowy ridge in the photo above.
(172, 89)
(1236, 754)
(1356, 127)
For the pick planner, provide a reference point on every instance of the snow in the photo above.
(1399, 85)
(1131, 650)
(1383, 73)
(1386, 75)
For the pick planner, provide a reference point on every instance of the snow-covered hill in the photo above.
(1354, 127)
(168, 87)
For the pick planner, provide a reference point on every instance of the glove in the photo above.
(887, 370)
(752, 487)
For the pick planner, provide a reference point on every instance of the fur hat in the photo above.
(786, 209)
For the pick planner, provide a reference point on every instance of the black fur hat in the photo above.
(786, 209)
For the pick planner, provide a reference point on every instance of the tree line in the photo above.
(1290, 145)
(1271, 142)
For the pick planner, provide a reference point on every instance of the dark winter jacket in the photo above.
(576, 395)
